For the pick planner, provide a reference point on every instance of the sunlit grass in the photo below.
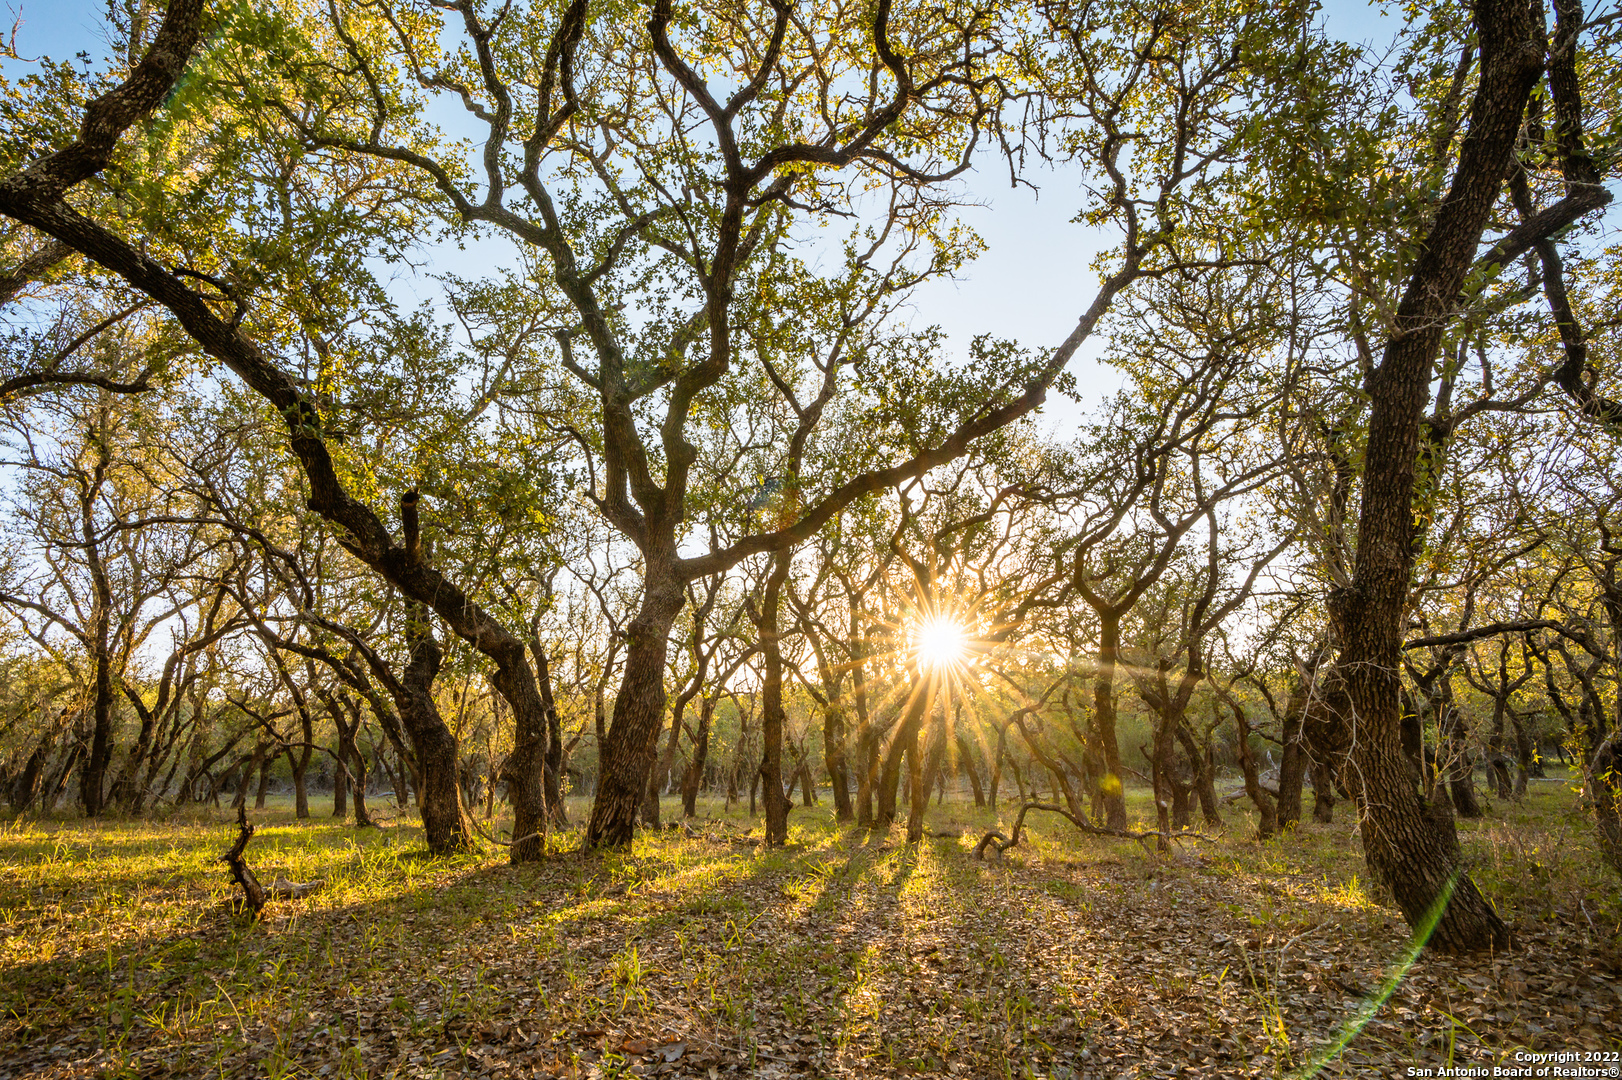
(119, 939)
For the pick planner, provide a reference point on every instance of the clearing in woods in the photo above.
(847, 954)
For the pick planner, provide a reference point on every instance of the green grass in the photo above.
(847, 953)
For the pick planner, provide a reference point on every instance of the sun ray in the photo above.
(941, 644)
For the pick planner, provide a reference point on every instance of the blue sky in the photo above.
(1032, 283)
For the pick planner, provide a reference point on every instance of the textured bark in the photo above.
(772, 715)
(1266, 809)
(835, 757)
(24, 788)
(1293, 762)
(1204, 769)
(922, 781)
(1605, 790)
(553, 763)
(1323, 792)
(693, 778)
(93, 778)
(627, 752)
(1411, 846)
(867, 743)
(445, 820)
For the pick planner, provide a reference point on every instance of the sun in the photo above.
(941, 643)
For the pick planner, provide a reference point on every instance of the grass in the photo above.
(846, 954)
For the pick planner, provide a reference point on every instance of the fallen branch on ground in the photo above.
(471, 820)
(254, 894)
(1002, 843)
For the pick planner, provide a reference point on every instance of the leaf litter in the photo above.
(850, 956)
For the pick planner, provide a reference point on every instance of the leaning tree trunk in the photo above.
(902, 743)
(923, 782)
(1410, 845)
(1266, 808)
(525, 770)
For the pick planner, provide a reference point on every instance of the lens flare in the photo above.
(941, 643)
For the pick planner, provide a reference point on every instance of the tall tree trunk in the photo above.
(1293, 762)
(553, 763)
(1199, 760)
(628, 750)
(264, 782)
(694, 776)
(1498, 758)
(996, 768)
(772, 716)
(357, 765)
(834, 758)
(1266, 808)
(525, 771)
(126, 791)
(301, 764)
(1110, 786)
(1169, 795)
(1410, 845)
(965, 762)
(902, 743)
(346, 716)
(93, 777)
(1605, 790)
(923, 774)
(1526, 756)
(661, 770)
(445, 822)
(340, 789)
(867, 743)
(1323, 792)
(1453, 729)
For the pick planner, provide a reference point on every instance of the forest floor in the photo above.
(846, 955)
